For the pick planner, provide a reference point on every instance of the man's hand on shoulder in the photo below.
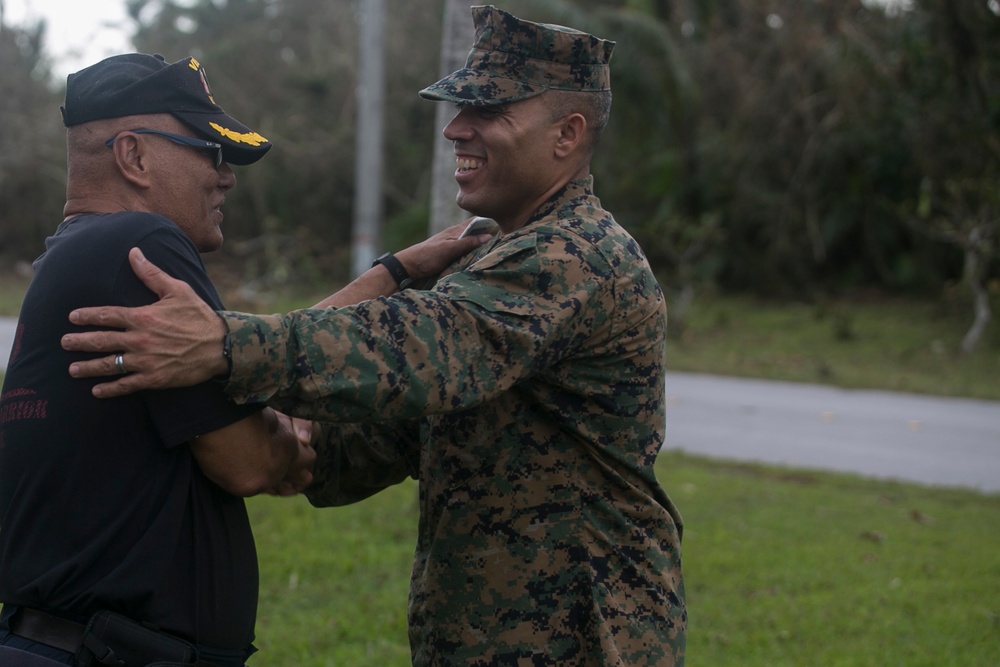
(174, 342)
(426, 259)
(433, 255)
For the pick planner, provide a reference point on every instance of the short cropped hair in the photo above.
(594, 106)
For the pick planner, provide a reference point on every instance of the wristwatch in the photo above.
(395, 268)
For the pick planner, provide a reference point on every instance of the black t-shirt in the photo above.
(102, 504)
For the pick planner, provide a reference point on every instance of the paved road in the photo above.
(7, 328)
(939, 441)
(932, 440)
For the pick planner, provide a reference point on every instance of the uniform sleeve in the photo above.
(522, 307)
(355, 461)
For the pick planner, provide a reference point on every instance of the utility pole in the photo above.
(368, 161)
(456, 38)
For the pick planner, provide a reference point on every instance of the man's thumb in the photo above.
(151, 275)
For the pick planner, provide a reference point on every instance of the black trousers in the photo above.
(20, 652)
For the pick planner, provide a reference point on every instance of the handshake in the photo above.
(299, 474)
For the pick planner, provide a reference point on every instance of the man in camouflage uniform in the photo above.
(524, 389)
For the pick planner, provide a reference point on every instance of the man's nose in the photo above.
(227, 177)
(458, 127)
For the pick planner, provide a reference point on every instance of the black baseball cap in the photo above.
(137, 84)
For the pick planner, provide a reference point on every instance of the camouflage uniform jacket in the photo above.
(526, 392)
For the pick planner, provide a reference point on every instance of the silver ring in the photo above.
(120, 363)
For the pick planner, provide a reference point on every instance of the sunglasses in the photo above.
(190, 142)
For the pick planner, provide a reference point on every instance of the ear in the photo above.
(572, 130)
(131, 159)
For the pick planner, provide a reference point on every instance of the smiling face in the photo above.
(508, 159)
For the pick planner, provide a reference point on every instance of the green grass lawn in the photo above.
(803, 568)
(782, 567)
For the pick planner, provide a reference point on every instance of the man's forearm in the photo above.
(373, 283)
(255, 350)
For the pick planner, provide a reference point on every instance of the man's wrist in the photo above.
(395, 269)
(227, 352)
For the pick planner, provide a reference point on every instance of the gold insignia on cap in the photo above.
(251, 138)
(196, 66)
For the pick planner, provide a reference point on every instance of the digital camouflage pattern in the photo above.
(513, 59)
(525, 390)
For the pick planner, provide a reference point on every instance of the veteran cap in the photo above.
(137, 84)
(513, 59)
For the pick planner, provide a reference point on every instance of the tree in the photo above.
(32, 162)
(949, 86)
(965, 212)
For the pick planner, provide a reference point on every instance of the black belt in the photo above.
(47, 629)
(65, 635)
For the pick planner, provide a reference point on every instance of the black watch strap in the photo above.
(395, 268)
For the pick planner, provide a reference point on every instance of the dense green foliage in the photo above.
(783, 568)
(801, 148)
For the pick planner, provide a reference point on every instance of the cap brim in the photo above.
(240, 144)
(474, 88)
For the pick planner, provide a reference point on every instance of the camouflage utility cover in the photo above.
(525, 391)
(513, 59)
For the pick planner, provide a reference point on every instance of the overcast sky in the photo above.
(79, 32)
